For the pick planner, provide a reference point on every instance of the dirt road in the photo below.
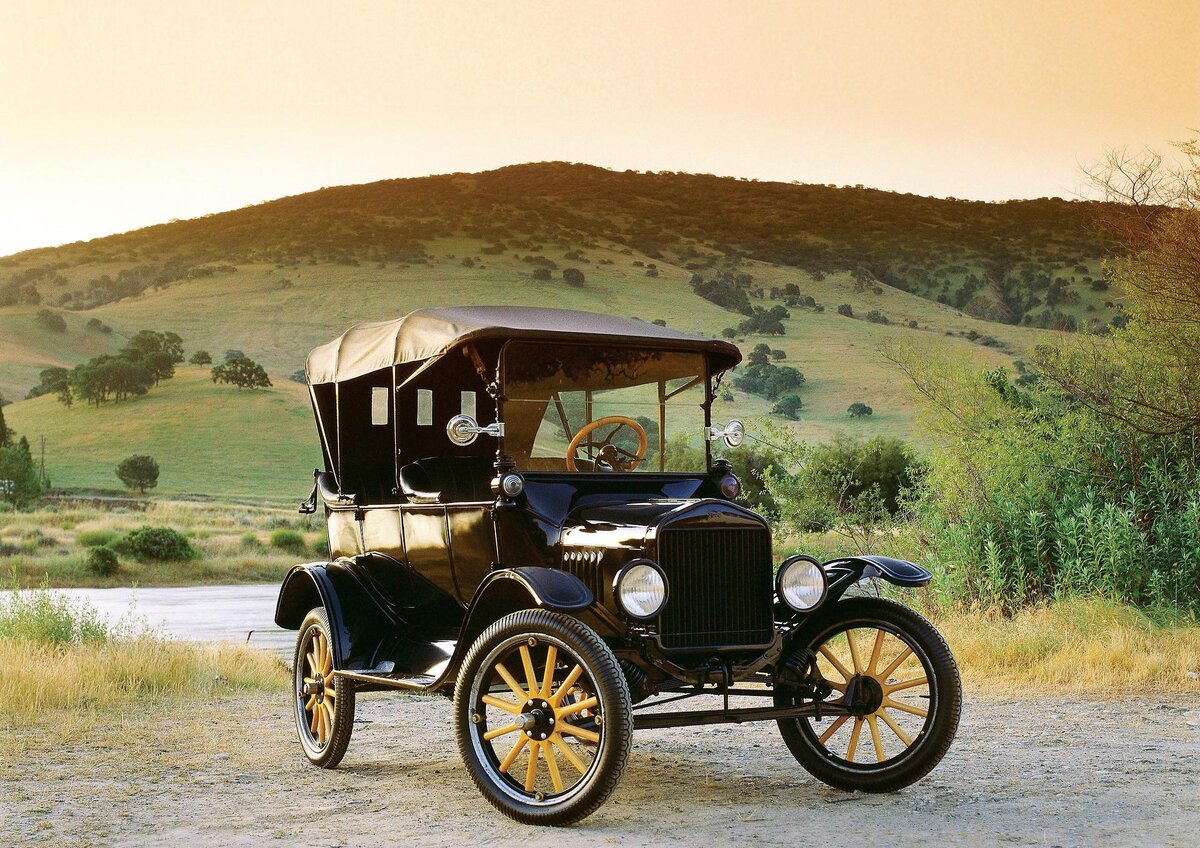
(1023, 772)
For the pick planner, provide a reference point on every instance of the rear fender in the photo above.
(845, 572)
(358, 620)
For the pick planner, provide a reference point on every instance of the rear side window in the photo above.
(424, 407)
(379, 405)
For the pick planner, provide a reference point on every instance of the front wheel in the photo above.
(901, 683)
(543, 717)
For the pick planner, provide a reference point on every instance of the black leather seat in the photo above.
(447, 479)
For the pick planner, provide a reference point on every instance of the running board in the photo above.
(417, 683)
(693, 718)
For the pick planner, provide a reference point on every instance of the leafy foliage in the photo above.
(158, 543)
(242, 372)
(103, 560)
(138, 472)
(858, 409)
(18, 468)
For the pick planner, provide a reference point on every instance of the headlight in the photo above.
(641, 589)
(731, 487)
(801, 583)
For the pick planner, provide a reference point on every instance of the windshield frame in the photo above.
(706, 377)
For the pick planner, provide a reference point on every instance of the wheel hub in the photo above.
(536, 719)
(864, 695)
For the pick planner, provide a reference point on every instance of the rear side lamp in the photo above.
(801, 583)
(509, 485)
(641, 589)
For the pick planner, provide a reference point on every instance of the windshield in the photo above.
(587, 408)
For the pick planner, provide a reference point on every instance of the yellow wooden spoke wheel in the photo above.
(892, 690)
(543, 717)
(324, 702)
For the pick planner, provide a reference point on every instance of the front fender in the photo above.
(513, 589)
(846, 571)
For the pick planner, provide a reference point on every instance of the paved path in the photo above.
(199, 613)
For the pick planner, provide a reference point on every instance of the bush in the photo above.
(250, 540)
(159, 543)
(46, 618)
(845, 309)
(541, 273)
(201, 357)
(288, 540)
(859, 409)
(96, 538)
(573, 276)
(52, 321)
(103, 561)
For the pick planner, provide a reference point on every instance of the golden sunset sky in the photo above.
(115, 115)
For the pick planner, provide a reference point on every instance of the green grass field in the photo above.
(220, 441)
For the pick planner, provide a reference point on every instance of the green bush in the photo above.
(95, 538)
(321, 545)
(288, 540)
(158, 543)
(50, 619)
(103, 561)
(250, 540)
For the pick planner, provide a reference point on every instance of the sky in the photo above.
(116, 115)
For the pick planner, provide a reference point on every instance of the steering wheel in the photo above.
(608, 456)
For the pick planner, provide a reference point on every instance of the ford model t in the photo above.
(525, 514)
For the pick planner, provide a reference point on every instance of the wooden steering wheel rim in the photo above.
(587, 429)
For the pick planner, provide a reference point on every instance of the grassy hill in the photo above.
(276, 279)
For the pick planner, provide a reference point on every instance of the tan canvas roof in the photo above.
(427, 333)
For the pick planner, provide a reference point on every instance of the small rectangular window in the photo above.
(424, 407)
(379, 405)
(468, 404)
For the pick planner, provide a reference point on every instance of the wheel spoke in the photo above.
(331, 693)
(530, 675)
(522, 695)
(858, 667)
(566, 685)
(582, 732)
(878, 743)
(310, 703)
(841, 669)
(905, 708)
(571, 709)
(887, 672)
(552, 767)
(315, 721)
(548, 678)
(853, 746)
(531, 770)
(900, 734)
(571, 756)
(832, 729)
(501, 704)
(879, 637)
(511, 756)
(312, 663)
(500, 731)
(905, 684)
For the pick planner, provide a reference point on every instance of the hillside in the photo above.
(276, 279)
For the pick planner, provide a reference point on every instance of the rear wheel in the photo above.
(902, 683)
(543, 718)
(324, 702)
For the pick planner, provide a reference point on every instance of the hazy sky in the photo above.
(115, 115)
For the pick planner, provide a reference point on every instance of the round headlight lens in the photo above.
(641, 590)
(735, 433)
(512, 484)
(731, 487)
(802, 584)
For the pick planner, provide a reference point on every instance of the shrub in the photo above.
(573, 276)
(96, 538)
(46, 618)
(288, 540)
(103, 561)
(858, 409)
(159, 543)
(52, 321)
(845, 309)
(250, 540)
(541, 273)
(201, 357)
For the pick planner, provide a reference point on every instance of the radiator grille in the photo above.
(720, 587)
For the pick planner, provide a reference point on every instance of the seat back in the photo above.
(447, 479)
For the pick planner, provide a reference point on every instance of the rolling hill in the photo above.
(276, 279)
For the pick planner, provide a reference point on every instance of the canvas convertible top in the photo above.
(428, 333)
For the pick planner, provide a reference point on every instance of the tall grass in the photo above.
(58, 654)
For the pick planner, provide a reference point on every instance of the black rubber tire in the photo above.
(614, 705)
(331, 753)
(945, 701)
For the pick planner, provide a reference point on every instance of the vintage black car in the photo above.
(525, 515)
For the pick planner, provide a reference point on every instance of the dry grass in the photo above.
(1092, 647)
(36, 677)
